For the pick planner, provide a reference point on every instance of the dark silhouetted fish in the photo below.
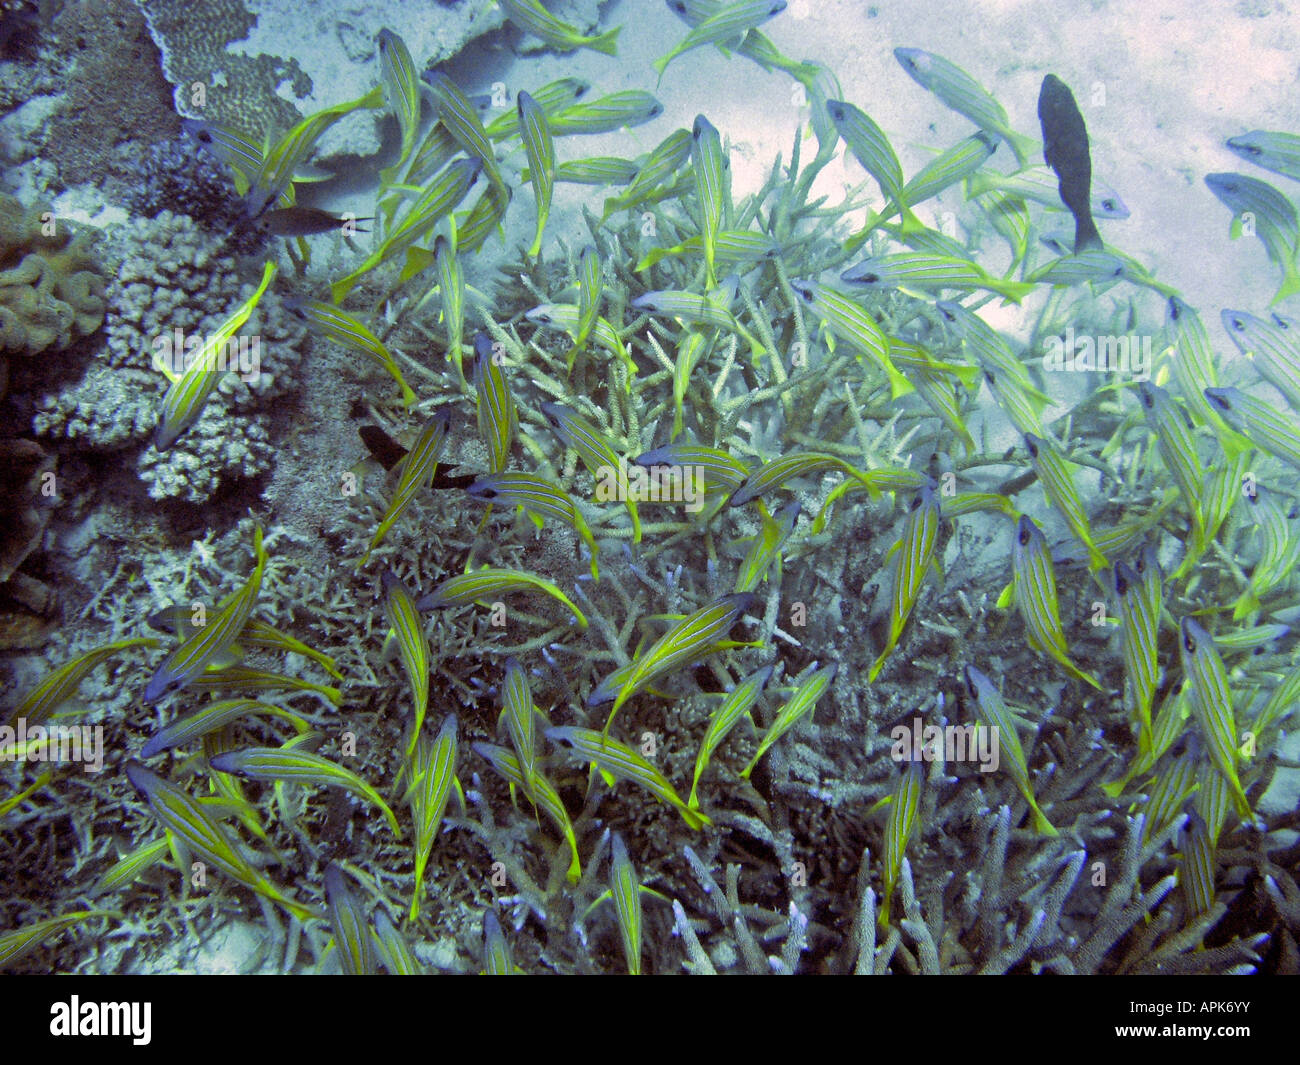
(1065, 149)
(388, 453)
(306, 221)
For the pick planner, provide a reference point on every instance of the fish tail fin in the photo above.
(1087, 678)
(660, 65)
(878, 664)
(1248, 603)
(1114, 788)
(1014, 291)
(898, 384)
(1042, 825)
(1239, 799)
(911, 225)
(339, 289)
(1086, 237)
(1022, 146)
(1290, 283)
(606, 43)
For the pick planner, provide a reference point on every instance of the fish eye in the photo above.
(543, 319)
(805, 294)
(871, 279)
(1108, 205)
(1032, 447)
(1121, 585)
(1189, 641)
(487, 493)
(1024, 536)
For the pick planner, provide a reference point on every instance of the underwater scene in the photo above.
(704, 486)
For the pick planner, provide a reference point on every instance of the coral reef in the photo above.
(816, 841)
(176, 281)
(51, 289)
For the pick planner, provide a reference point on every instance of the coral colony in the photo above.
(708, 587)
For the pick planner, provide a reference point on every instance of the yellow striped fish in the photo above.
(1138, 635)
(394, 952)
(61, 685)
(488, 584)
(17, 942)
(568, 318)
(1033, 584)
(192, 825)
(540, 150)
(1058, 484)
(619, 761)
(519, 716)
(766, 546)
(589, 293)
(212, 717)
(249, 680)
(496, 951)
(128, 868)
(541, 794)
(1211, 702)
(297, 766)
(193, 656)
(698, 634)
(459, 116)
(988, 700)
(710, 166)
(408, 628)
(432, 774)
(442, 194)
(739, 701)
(352, 942)
(915, 550)
(337, 325)
(281, 160)
(540, 498)
(451, 291)
(498, 417)
(190, 389)
(597, 454)
(1196, 867)
(626, 892)
(532, 17)
(417, 470)
(401, 84)
(899, 829)
(804, 698)
(1170, 789)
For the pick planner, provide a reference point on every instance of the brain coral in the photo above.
(51, 291)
